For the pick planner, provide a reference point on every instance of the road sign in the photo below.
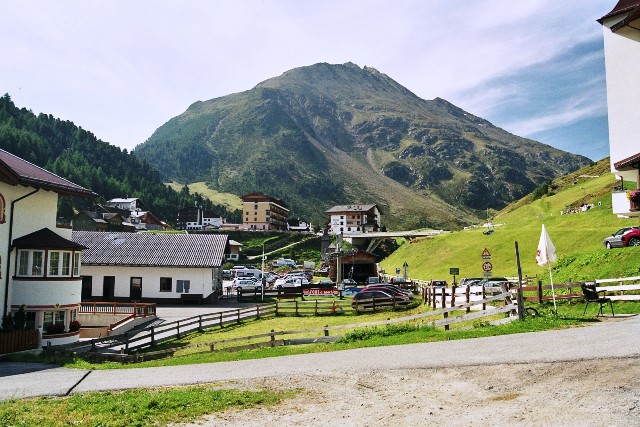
(486, 254)
(454, 271)
(487, 267)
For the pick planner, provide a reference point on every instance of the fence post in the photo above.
(200, 323)
(126, 342)
(257, 312)
(277, 306)
(273, 338)
(539, 291)
(316, 310)
(238, 316)
(326, 330)
(453, 295)
(467, 295)
(433, 293)
(221, 319)
(444, 304)
(153, 336)
(296, 307)
(178, 328)
(484, 294)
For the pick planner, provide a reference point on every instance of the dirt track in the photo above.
(577, 393)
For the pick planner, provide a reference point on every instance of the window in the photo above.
(59, 263)
(76, 263)
(165, 284)
(3, 204)
(23, 263)
(66, 263)
(54, 263)
(30, 263)
(53, 322)
(182, 286)
(37, 263)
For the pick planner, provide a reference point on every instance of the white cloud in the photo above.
(121, 69)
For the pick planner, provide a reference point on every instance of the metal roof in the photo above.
(162, 250)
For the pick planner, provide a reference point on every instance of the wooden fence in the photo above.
(430, 318)
(13, 341)
(622, 291)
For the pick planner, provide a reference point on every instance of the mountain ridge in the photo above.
(330, 134)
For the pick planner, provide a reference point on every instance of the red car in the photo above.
(627, 236)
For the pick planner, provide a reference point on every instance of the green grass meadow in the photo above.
(577, 238)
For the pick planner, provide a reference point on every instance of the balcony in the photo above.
(620, 205)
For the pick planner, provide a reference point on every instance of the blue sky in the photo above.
(121, 69)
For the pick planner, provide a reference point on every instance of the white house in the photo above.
(621, 29)
(354, 219)
(162, 268)
(128, 204)
(40, 264)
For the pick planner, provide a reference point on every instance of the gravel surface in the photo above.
(581, 376)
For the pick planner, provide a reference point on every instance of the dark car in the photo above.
(377, 297)
(324, 283)
(626, 236)
(390, 289)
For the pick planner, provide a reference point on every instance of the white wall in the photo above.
(31, 214)
(622, 64)
(200, 278)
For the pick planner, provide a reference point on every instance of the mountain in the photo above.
(327, 134)
(76, 154)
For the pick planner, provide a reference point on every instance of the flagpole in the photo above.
(553, 292)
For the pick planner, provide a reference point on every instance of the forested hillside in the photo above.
(76, 154)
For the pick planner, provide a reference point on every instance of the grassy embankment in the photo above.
(577, 237)
(138, 407)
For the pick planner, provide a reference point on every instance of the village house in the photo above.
(621, 30)
(95, 221)
(354, 219)
(40, 264)
(299, 225)
(160, 268)
(262, 212)
(196, 218)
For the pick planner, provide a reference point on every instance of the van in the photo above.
(284, 262)
(249, 273)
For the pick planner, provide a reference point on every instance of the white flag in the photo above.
(546, 250)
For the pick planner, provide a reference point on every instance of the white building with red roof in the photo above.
(39, 263)
(621, 29)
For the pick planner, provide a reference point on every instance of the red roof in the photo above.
(629, 163)
(16, 171)
(622, 7)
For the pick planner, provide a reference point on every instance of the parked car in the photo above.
(378, 296)
(626, 236)
(246, 284)
(390, 289)
(291, 282)
(350, 291)
(349, 282)
(324, 283)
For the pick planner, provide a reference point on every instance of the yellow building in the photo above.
(262, 212)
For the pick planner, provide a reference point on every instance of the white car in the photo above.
(246, 284)
(291, 282)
